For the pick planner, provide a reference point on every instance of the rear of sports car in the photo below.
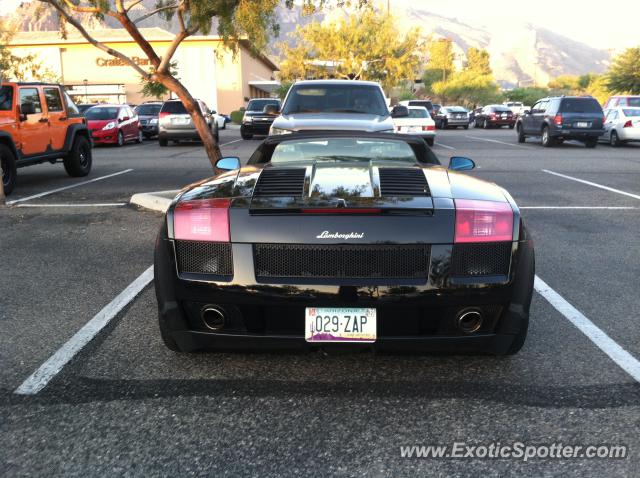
(395, 257)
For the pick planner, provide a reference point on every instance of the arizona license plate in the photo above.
(328, 324)
(180, 120)
(582, 124)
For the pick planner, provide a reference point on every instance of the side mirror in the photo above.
(399, 111)
(271, 110)
(27, 109)
(228, 164)
(460, 163)
(526, 112)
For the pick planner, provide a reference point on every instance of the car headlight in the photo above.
(109, 125)
(276, 131)
(153, 121)
(247, 119)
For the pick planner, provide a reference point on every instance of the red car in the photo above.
(113, 124)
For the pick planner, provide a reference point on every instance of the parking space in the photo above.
(127, 405)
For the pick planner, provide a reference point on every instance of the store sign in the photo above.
(118, 62)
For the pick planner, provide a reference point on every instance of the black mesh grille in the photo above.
(481, 259)
(342, 261)
(281, 182)
(204, 257)
(403, 182)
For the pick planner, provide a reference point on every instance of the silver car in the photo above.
(334, 105)
(454, 116)
(175, 123)
(621, 125)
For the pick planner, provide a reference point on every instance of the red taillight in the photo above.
(483, 221)
(557, 119)
(628, 124)
(163, 114)
(202, 220)
(430, 127)
(493, 116)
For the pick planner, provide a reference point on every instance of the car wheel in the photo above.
(430, 141)
(9, 170)
(591, 142)
(163, 141)
(244, 134)
(140, 137)
(120, 139)
(77, 162)
(547, 140)
(521, 136)
(614, 140)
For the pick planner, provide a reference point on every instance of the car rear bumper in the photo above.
(576, 133)
(458, 122)
(171, 134)
(629, 134)
(501, 122)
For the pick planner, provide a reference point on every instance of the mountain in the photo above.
(521, 53)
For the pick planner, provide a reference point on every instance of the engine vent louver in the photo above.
(280, 182)
(402, 182)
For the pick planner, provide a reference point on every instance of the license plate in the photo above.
(180, 120)
(412, 129)
(582, 124)
(328, 324)
(504, 116)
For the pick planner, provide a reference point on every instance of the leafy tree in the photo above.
(364, 45)
(468, 87)
(251, 19)
(624, 74)
(528, 95)
(440, 61)
(566, 84)
(478, 61)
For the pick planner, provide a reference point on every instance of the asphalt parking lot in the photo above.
(127, 406)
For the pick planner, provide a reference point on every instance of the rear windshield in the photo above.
(456, 109)
(501, 109)
(580, 105)
(633, 101)
(174, 108)
(6, 98)
(631, 112)
(425, 104)
(345, 98)
(148, 110)
(418, 113)
(101, 113)
(258, 105)
(342, 149)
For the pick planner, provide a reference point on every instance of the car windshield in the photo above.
(148, 110)
(6, 98)
(342, 149)
(580, 105)
(340, 98)
(418, 113)
(632, 112)
(258, 105)
(100, 113)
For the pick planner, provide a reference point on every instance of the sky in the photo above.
(588, 21)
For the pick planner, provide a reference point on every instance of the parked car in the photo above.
(344, 232)
(622, 100)
(334, 105)
(516, 106)
(256, 121)
(416, 120)
(563, 117)
(472, 116)
(621, 125)
(428, 104)
(495, 116)
(113, 124)
(40, 123)
(453, 116)
(175, 123)
(148, 115)
(221, 120)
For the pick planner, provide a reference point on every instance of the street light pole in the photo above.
(86, 100)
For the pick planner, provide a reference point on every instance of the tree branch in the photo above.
(153, 12)
(93, 41)
(165, 64)
(136, 2)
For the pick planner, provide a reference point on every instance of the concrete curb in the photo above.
(156, 201)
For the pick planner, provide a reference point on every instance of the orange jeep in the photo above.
(38, 123)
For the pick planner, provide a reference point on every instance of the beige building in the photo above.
(209, 70)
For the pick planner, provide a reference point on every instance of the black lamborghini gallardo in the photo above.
(359, 239)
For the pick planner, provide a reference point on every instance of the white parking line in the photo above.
(496, 141)
(46, 193)
(620, 356)
(595, 185)
(230, 142)
(444, 146)
(48, 370)
(577, 207)
(106, 204)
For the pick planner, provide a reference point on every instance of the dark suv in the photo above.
(256, 120)
(564, 117)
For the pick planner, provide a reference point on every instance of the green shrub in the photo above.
(236, 116)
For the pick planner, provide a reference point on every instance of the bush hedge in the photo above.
(236, 116)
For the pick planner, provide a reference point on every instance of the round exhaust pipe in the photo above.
(469, 321)
(213, 317)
